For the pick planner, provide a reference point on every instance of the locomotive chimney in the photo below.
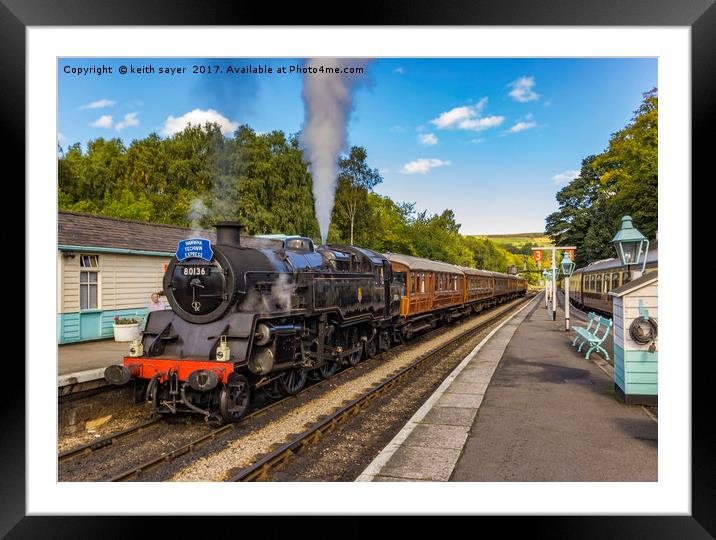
(228, 233)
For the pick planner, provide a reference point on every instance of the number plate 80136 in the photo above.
(195, 270)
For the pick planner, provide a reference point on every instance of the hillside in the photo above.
(518, 243)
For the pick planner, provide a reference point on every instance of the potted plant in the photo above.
(125, 329)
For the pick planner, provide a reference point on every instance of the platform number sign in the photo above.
(194, 248)
(537, 254)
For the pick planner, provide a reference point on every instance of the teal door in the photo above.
(90, 325)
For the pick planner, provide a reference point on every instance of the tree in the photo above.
(355, 180)
(621, 180)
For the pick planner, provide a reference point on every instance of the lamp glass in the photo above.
(567, 265)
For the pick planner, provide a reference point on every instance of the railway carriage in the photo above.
(479, 288)
(270, 312)
(589, 286)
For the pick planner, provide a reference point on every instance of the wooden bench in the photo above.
(591, 336)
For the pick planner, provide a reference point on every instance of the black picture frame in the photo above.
(699, 15)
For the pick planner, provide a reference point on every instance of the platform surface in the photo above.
(525, 407)
(90, 355)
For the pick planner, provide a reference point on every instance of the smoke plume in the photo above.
(328, 101)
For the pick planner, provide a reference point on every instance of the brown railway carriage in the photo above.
(428, 285)
(479, 288)
(435, 291)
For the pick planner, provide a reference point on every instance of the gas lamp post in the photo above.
(567, 270)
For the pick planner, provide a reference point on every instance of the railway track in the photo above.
(260, 468)
(275, 459)
(135, 472)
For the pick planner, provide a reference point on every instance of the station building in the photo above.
(109, 267)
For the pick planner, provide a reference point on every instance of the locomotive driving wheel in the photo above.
(234, 398)
(327, 370)
(371, 347)
(292, 381)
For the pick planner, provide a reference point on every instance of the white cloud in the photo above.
(129, 120)
(522, 90)
(423, 165)
(399, 70)
(522, 125)
(398, 129)
(104, 121)
(478, 124)
(566, 176)
(467, 117)
(477, 141)
(99, 104)
(198, 117)
(428, 139)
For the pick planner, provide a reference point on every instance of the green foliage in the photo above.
(621, 180)
(199, 176)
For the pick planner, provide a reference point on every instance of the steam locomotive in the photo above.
(269, 312)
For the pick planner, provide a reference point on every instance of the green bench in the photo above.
(591, 336)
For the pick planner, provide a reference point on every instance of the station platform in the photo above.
(524, 406)
(82, 363)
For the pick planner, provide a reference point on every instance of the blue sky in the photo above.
(492, 139)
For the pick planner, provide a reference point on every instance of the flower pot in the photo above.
(126, 332)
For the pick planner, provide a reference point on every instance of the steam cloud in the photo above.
(279, 298)
(328, 102)
(197, 211)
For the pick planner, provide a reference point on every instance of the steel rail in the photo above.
(86, 449)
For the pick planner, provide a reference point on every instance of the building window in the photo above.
(89, 282)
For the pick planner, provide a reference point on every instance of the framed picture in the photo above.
(140, 74)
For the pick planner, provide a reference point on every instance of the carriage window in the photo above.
(615, 280)
(455, 282)
(422, 282)
(599, 283)
(626, 277)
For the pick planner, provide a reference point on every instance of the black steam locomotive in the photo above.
(261, 312)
